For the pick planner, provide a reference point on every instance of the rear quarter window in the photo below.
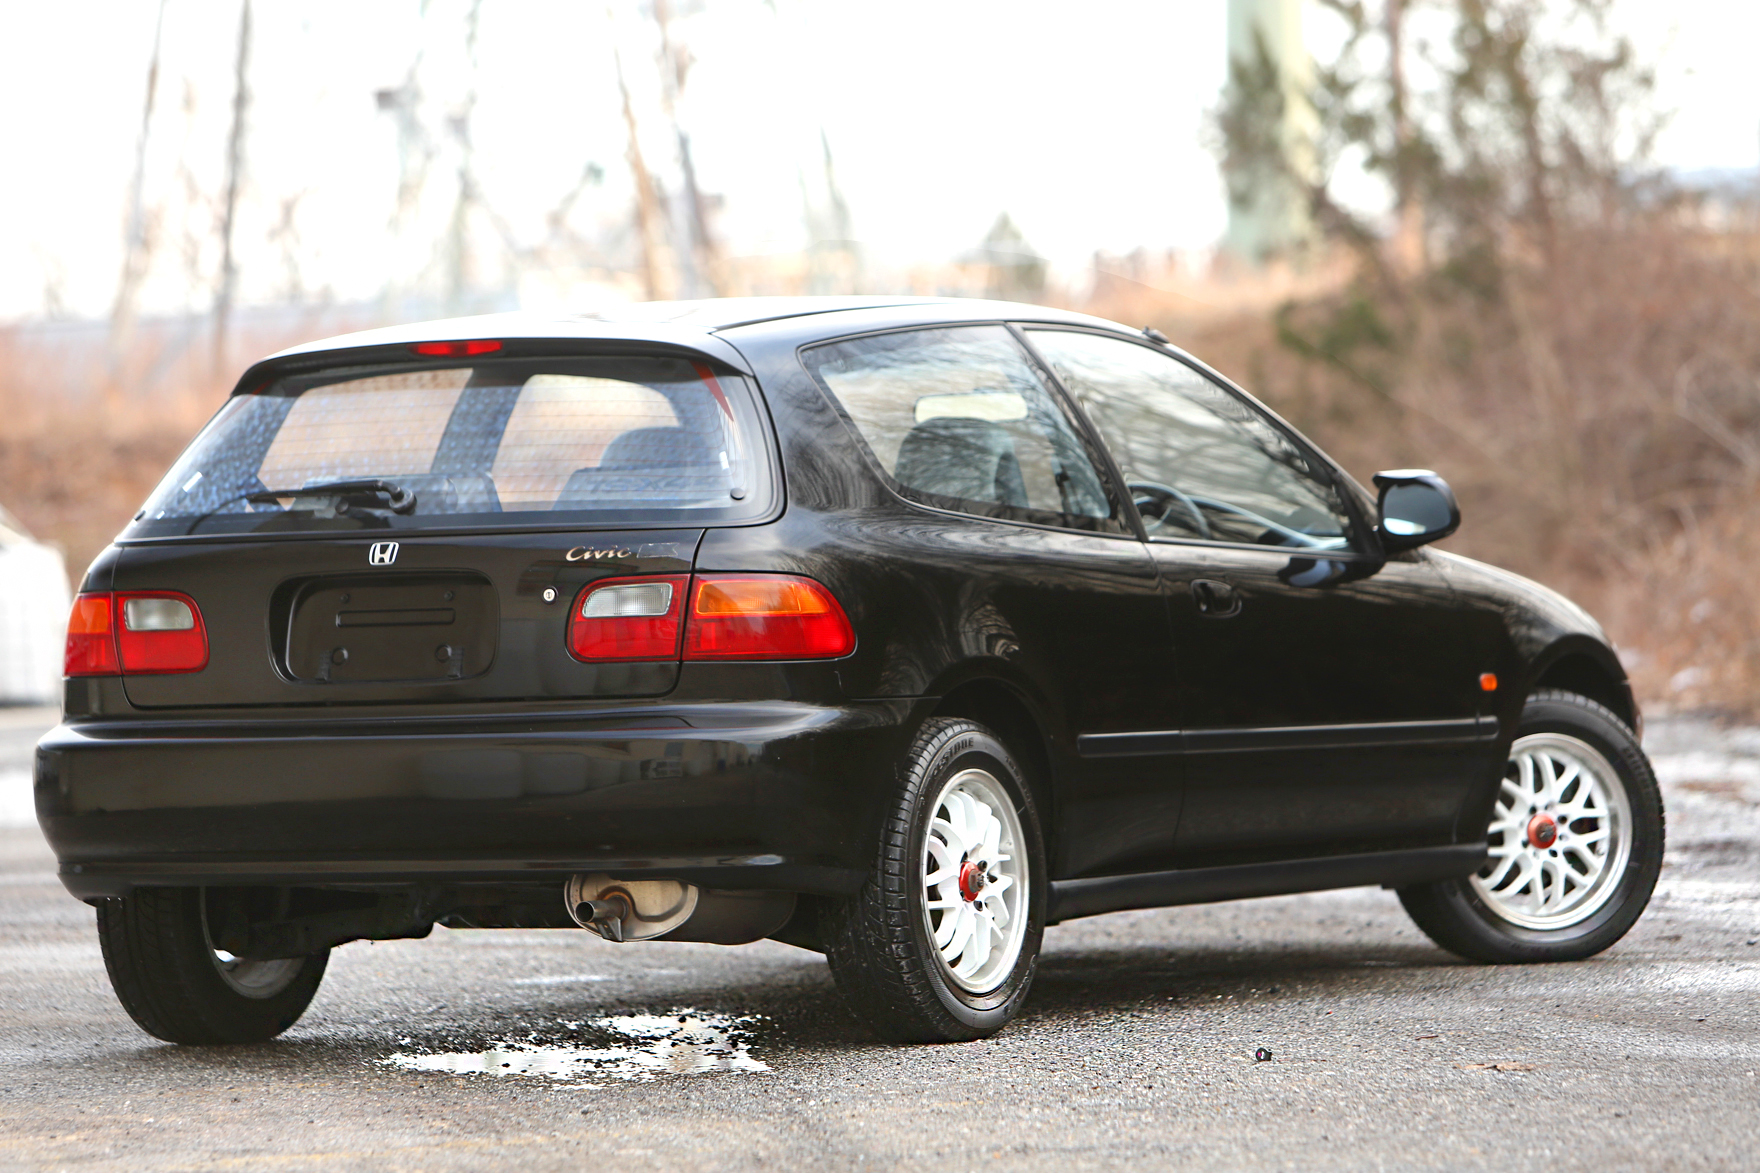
(561, 442)
(959, 418)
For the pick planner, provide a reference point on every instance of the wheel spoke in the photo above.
(1503, 869)
(977, 950)
(949, 834)
(1548, 776)
(999, 914)
(1525, 776)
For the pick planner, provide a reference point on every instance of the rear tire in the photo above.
(178, 987)
(1576, 843)
(941, 942)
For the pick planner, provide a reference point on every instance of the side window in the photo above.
(1201, 463)
(960, 418)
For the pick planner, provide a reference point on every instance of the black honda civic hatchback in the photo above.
(893, 629)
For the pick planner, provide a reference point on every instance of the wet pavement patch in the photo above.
(626, 1047)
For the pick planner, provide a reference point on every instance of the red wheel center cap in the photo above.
(971, 880)
(1542, 830)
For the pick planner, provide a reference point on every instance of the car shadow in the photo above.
(793, 1013)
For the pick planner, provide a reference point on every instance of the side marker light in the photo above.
(1488, 682)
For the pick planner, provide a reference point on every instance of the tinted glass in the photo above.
(1201, 461)
(501, 442)
(960, 418)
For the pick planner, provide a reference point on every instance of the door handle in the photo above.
(1216, 600)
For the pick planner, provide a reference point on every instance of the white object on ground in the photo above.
(34, 601)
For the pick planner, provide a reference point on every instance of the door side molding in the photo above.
(1087, 897)
(1168, 741)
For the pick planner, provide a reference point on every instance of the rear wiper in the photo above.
(401, 500)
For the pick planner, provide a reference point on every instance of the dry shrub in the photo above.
(82, 443)
(1596, 409)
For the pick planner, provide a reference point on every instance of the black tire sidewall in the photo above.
(165, 975)
(1484, 935)
(969, 746)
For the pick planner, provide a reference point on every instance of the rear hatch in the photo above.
(374, 532)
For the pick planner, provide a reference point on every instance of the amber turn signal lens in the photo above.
(91, 644)
(1488, 681)
(765, 617)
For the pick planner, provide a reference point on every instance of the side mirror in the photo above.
(1417, 506)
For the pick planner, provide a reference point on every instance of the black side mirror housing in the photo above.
(1416, 507)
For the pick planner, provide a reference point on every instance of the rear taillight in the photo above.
(710, 617)
(628, 619)
(91, 640)
(765, 617)
(135, 632)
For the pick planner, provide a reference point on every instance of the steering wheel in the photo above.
(1146, 492)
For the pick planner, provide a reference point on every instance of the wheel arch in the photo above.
(1008, 713)
(1589, 669)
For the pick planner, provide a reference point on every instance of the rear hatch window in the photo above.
(530, 443)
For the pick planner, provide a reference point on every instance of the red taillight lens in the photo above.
(628, 619)
(456, 349)
(765, 617)
(135, 632)
(160, 631)
(91, 638)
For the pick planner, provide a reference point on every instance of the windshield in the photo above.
(502, 442)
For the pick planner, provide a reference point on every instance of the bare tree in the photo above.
(458, 259)
(658, 272)
(241, 99)
(1526, 105)
(139, 239)
(702, 261)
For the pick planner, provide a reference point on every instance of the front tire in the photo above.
(941, 942)
(1576, 843)
(178, 987)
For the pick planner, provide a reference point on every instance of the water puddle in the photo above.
(633, 1047)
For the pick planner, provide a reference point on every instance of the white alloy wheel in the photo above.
(1560, 837)
(975, 882)
(252, 979)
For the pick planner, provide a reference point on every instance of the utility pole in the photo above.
(1275, 221)
(137, 244)
(241, 98)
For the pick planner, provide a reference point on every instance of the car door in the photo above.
(1329, 696)
(1026, 557)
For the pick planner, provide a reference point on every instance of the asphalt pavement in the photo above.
(554, 1050)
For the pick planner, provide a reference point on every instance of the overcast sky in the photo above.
(1083, 122)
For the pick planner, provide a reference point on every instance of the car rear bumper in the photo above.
(772, 795)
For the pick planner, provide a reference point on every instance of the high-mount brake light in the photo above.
(628, 619)
(765, 617)
(475, 346)
(135, 633)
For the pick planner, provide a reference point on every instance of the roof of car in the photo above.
(682, 322)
